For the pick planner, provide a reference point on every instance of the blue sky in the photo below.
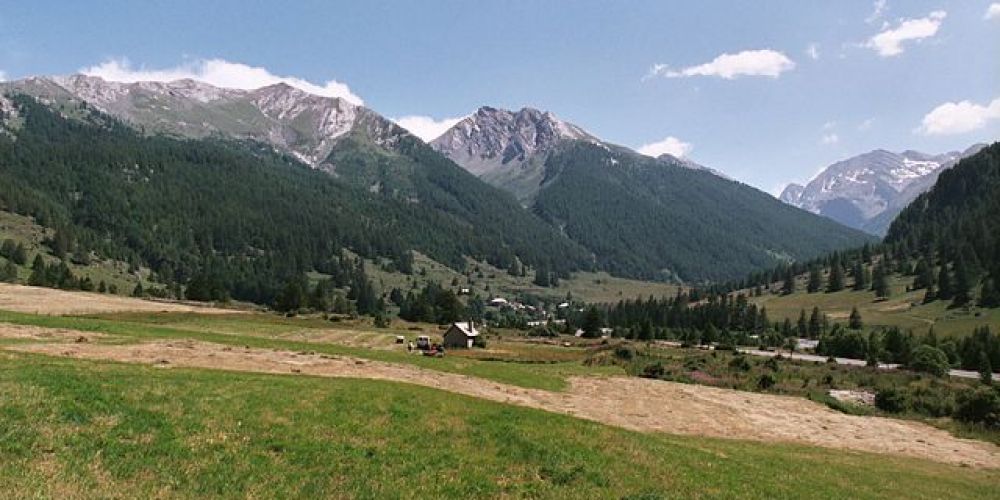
(767, 92)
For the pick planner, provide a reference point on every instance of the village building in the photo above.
(460, 335)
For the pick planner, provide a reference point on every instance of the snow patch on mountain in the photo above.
(867, 190)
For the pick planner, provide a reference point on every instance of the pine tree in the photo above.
(38, 272)
(815, 280)
(990, 295)
(836, 282)
(592, 323)
(855, 320)
(542, 276)
(815, 324)
(945, 291)
(802, 327)
(788, 287)
(925, 275)
(962, 285)
(20, 255)
(866, 253)
(860, 278)
(880, 282)
(9, 273)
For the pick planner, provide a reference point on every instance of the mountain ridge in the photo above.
(868, 190)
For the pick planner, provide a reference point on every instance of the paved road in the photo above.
(854, 362)
(840, 361)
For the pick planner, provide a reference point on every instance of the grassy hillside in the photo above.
(486, 280)
(903, 309)
(98, 429)
(25, 230)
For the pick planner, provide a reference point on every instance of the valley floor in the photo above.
(632, 403)
(237, 405)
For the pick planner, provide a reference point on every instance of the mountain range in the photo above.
(867, 191)
(555, 197)
(655, 218)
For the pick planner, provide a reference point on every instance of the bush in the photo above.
(892, 400)
(654, 370)
(766, 381)
(981, 406)
(543, 331)
(740, 363)
(772, 364)
(928, 359)
(625, 352)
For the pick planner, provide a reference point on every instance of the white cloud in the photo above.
(669, 145)
(959, 117)
(830, 139)
(830, 125)
(813, 51)
(877, 10)
(992, 12)
(3, 76)
(866, 125)
(217, 72)
(764, 62)
(889, 42)
(426, 127)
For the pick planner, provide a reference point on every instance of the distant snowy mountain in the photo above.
(867, 191)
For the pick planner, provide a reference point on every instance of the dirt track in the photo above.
(37, 300)
(631, 403)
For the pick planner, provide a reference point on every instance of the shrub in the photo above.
(740, 363)
(928, 359)
(625, 352)
(979, 406)
(933, 403)
(766, 381)
(543, 331)
(654, 370)
(772, 364)
(892, 400)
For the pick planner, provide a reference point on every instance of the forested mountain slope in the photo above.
(652, 218)
(243, 214)
(648, 217)
(958, 221)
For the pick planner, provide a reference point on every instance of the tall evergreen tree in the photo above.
(788, 287)
(815, 323)
(836, 281)
(945, 290)
(802, 327)
(855, 320)
(880, 281)
(860, 276)
(962, 289)
(815, 280)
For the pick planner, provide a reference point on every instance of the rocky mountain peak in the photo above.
(290, 119)
(867, 190)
